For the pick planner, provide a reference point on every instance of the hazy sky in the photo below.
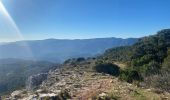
(40, 19)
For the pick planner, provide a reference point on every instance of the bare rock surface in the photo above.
(35, 80)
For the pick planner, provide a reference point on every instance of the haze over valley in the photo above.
(59, 50)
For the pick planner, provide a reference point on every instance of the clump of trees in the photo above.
(107, 68)
(130, 76)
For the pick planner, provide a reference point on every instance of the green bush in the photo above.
(152, 68)
(130, 76)
(80, 59)
(166, 63)
(107, 68)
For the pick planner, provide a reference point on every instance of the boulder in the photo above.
(16, 93)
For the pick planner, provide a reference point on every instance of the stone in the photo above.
(16, 93)
(49, 96)
(102, 95)
(35, 80)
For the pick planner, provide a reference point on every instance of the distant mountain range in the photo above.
(60, 50)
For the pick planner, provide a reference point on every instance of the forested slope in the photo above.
(148, 59)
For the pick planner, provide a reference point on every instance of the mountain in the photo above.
(60, 50)
(14, 72)
(137, 72)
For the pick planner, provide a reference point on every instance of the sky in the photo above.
(82, 19)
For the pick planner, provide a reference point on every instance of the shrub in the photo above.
(152, 68)
(80, 59)
(130, 75)
(160, 81)
(107, 68)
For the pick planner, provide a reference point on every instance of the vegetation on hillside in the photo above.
(149, 57)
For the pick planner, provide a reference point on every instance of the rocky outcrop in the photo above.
(35, 80)
(81, 82)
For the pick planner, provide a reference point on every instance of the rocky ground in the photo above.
(79, 82)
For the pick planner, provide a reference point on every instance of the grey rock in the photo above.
(35, 80)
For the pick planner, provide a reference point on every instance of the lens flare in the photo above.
(10, 20)
(16, 31)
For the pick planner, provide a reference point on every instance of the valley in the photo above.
(59, 50)
(14, 72)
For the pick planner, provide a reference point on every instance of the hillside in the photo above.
(14, 72)
(147, 49)
(149, 57)
(137, 72)
(60, 50)
(155, 47)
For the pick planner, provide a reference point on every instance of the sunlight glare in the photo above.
(13, 25)
(10, 20)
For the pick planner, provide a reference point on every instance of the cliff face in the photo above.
(14, 72)
(35, 80)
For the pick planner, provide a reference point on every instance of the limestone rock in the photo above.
(16, 93)
(35, 80)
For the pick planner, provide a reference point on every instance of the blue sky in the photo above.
(77, 19)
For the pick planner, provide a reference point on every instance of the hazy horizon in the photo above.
(74, 19)
(65, 39)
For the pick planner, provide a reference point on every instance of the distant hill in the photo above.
(149, 49)
(14, 72)
(60, 50)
